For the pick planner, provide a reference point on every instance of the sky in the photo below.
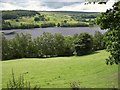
(54, 5)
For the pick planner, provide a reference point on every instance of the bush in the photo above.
(28, 26)
(74, 25)
(40, 18)
(75, 85)
(8, 26)
(83, 44)
(36, 19)
(45, 25)
(19, 84)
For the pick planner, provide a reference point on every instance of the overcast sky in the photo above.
(54, 5)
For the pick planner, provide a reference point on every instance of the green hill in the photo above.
(23, 19)
(90, 70)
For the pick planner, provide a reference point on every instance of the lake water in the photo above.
(64, 31)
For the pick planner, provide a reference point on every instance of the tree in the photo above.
(99, 42)
(46, 43)
(21, 46)
(68, 42)
(58, 25)
(6, 49)
(83, 44)
(59, 44)
(36, 19)
(65, 21)
(6, 25)
(111, 20)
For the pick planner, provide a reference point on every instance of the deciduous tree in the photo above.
(111, 20)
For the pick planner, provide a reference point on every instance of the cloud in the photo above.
(35, 5)
(63, 0)
(26, 4)
(56, 5)
(9, 6)
(89, 7)
(86, 8)
(110, 4)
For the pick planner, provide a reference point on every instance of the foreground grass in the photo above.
(90, 70)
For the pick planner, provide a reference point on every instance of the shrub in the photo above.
(8, 26)
(19, 84)
(75, 85)
(74, 25)
(45, 25)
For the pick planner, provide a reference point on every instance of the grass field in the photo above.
(90, 70)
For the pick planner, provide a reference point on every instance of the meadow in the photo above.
(58, 72)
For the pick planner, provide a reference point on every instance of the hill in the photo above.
(90, 70)
(23, 19)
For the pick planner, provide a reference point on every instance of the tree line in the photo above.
(8, 26)
(49, 45)
(15, 14)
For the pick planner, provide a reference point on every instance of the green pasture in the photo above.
(58, 72)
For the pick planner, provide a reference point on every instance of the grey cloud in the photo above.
(53, 4)
(56, 5)
(50, 5)
(63, 0)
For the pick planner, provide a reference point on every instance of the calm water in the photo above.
(64, 31)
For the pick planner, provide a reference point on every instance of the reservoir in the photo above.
(63, 30)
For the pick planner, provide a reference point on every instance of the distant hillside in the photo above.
(24, 19)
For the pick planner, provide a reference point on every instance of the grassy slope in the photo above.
(58, 17)
(54, 17)
(90, 70)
